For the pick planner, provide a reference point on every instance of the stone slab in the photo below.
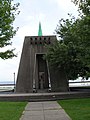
(26, 117)
(34, 106)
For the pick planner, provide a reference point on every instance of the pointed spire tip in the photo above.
(40, 30)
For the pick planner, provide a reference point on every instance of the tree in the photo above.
(8, 12)
(72, 52)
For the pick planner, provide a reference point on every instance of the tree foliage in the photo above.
(8, 12)
(84, 6)
(72, 52)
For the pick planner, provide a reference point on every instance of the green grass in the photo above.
(11, 110)
(77, 109)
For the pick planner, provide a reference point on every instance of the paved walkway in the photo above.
(44, 111)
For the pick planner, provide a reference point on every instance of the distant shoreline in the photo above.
(7, 84)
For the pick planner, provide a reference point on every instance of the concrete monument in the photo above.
(34, 74)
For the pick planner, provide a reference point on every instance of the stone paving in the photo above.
(50, 110)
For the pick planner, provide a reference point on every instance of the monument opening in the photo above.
(42, 73)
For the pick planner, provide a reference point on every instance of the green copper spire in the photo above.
(40, 30)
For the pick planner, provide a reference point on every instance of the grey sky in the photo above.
(49, 12)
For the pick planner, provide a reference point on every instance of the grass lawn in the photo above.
(11, 110)
(77, 109)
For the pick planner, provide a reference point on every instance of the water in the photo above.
(6, 86)
(9, 85)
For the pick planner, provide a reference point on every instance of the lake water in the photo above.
(9, 85)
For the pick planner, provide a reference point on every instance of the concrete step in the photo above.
(42, 91)
(43, 96)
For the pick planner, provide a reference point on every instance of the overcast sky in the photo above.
(48, 12)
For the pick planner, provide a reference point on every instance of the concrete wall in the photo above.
(24, 78)
(59, 80)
